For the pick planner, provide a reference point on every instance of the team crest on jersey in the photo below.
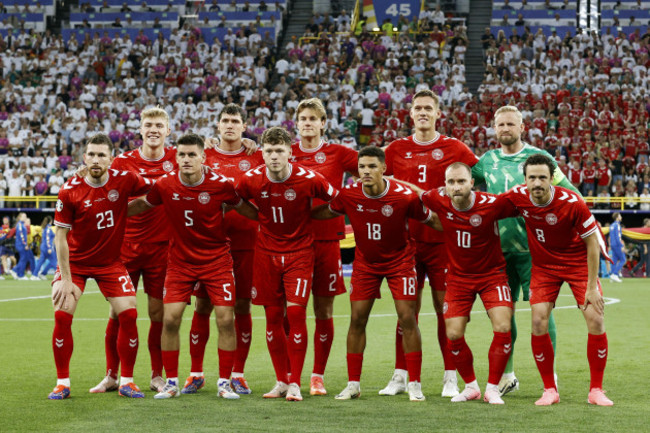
(244, 165)
(475, 220)
(551, 219)
(168, 166)
(113, 195)
(387, 210)
(59, 205)
(437, 154)
(204, 198)
(253, 292)
(320, 157)
(290, 194)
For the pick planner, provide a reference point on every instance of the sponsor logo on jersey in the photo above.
(409, 155)
(551, 219)
(59, 205)
(142, 170)
(320, 157)
(168, 166)
(437, 154)
(290, 194)
(359, 208)
(450, 216)
(175, 196)
(475, 220)
(204, 198)
(387, 210)
(215, 165)
(265, 194)
(113, 195)
(244, 165)
(87, 203)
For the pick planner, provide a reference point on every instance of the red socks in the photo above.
(462, 359)
(62, 343)
(170, 361)
(276, 340)
(226, 360)
(544, 357)
(199, 335)
(323, 338)
(355, 362)
(414, 365)
(110, 346)
(447, 358)
(500, 351)
(127, 340)
(597, 356)
(243, 328)
(153, 343)
(297, 340)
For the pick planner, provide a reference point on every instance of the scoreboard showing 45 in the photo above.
(394, 9)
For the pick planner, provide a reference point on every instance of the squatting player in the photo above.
(421, 159)
(476, 266)
(500, 170)
(332, 161)
(284, 255)
(198, 253)
(144, 251)
(379, 210)
(229, 158)
(91, 218)
(565, 246)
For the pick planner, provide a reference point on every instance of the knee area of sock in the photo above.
(130, 315)
(62, 317)
(296, 314)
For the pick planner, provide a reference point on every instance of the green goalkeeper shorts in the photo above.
(518, 266)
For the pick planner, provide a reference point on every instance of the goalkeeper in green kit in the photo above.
(500, 170)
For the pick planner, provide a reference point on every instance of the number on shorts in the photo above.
(540, 235)
(125, 284)
(188, 218)
(332, 282)
(304, 287)
(228, 295)
(105, 220)
(464, 239)
(374, 231)
(277, 214)
(504, 293)
(409, 286)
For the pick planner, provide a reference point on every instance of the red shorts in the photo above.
(545, 286)
(461, 294)
(431, 261)
(216, 282)
(281, 277)
(113, 281)
(243, 264)
(328, 272)
(149, 260)
(366, 282)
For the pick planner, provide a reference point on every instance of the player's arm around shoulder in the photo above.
(428, 201)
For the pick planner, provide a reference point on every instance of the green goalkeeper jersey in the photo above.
(500, 172)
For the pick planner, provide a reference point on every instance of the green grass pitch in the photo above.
(28, 374)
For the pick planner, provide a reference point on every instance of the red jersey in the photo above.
(380, 223)
(424, 165)
(331, 161)
(148, 226)
(241, 231)
(196, 216)
(604, 175)
(471, 235)
(96, 216)
(588, 174)
(555, 230)
(285, 206)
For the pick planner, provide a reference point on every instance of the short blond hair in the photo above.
(509, 109)
(152, 112)
(313, 104)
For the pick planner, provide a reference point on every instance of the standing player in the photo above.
(379, 210)
(199, 253)
(421, 159)
(144, 251)
(229, 158)
(91, 218)
(617, 247)
(47, 260)
(25, 254)
(476, 266)
(565, 245)
(332, 161)
(500, 170)
(284, 255)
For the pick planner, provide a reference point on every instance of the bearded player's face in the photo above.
(97, 158)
